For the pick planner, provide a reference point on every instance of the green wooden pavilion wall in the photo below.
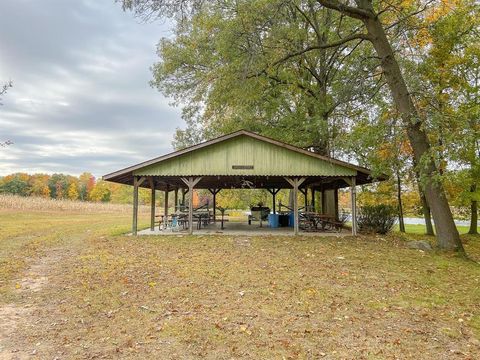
(245, 155)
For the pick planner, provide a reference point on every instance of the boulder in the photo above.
(420, 245)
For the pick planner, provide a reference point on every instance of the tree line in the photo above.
(85, 187)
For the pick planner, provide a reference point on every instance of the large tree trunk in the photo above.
(425, 207)
(474, 213)
(447, 233)
(400, 205)
(426, 213)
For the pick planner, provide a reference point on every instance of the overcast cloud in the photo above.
(81, 99)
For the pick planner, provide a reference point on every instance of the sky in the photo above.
(80, 100)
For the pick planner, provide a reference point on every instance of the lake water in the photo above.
(421, 221)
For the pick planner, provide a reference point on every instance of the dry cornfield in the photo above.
(14, 202)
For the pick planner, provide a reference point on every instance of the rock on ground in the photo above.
(420, 245)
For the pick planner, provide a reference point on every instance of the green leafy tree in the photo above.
(58, 185)
(16, 184)
(234, 65)
(85, 184)
(451, 79)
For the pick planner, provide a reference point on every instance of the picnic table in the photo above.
(312, 221)
(201, 216)
(173, 220)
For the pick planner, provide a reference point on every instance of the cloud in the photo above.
(81, 99)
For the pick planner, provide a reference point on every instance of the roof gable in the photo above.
(244, 153)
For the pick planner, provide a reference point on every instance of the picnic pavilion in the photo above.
(239, 158)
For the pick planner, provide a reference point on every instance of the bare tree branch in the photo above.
(323, 46)
(351, 11)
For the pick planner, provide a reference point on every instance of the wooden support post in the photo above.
(136, 183)
(152, 204)
(295, 182)
(335, 202)
(305, 193)
(313, 199)
(191, 182)
(214, 192)
(352, 181)
(274, 193)
(165, 209)
(135, 206)
(215, 207)
(322, 198)
(353, 192)
(184, 191)
(176, 200)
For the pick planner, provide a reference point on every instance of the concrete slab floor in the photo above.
(242, 229)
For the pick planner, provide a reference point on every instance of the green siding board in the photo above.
(266, 158)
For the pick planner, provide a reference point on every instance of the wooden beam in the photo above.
(191, 182)
(353, 193)
(214, 192)
(347, 180)
(140, 180)
(136, 183)
(152, 204)
(176, 200)
(322, 200)
(274, 193)
(304, 191)
(184, 191)
(335, 203)
(295, 182)
(313, 199)
(165, 209)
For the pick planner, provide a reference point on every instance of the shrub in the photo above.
(376, 218)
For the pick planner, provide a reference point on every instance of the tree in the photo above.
(39, 185)
(100, 192)
(16, 184)
(451, 78)
(447, 234)
(58, 185)
(3, 90)
(72, 191)
(231, 64)
(86, 181)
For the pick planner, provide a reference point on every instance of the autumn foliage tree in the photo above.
(450, 93)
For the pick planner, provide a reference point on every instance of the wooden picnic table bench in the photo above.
(311, 221)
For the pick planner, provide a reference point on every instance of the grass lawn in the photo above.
(420, 229)
(71, 286)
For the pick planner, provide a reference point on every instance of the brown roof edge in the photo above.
(170, 155)
(230, 136)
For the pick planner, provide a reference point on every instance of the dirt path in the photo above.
(22, 314)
